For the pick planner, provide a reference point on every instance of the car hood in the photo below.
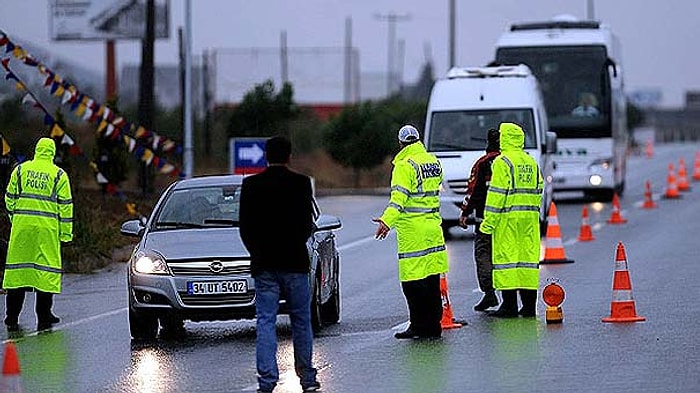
(196, 243)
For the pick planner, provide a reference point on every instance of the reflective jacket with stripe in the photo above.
(40, 206)
(512, 213)
(414, 210)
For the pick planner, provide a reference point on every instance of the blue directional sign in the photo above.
(247, 155)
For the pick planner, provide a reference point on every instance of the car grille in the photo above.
(217, 300)
(204, 268)
(458, 186)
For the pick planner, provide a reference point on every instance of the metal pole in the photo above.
(452, 33)
(188, 157)
(590, 13)
(347, 85)
(284, 61)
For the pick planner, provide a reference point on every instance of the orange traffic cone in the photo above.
(554, 248)
(671, 188)
(682, 184)
(696, 167)
(11, 376)
(616, 216)
(650, 148)
(448, 320)
(622, 308)
(585, 235)
(648, 199)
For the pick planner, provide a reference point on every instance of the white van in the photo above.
(464, 106)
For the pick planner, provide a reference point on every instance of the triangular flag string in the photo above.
(69, 94)
(143, 154)
(55, 132)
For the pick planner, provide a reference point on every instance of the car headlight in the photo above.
(149, 264)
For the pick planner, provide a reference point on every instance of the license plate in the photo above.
(216, 287)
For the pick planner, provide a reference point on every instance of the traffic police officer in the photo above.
(511, 216)
(414, 210)
(40, 206)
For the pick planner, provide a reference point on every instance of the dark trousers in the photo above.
(527, 296)
(482, 258)
(424, 304)
(14, 301)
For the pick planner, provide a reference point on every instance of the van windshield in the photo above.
(467, 130)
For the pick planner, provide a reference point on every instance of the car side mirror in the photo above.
(133, 228)
(326, 222)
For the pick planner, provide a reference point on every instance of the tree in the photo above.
(264, 113)
(635, 117)
(362, 136)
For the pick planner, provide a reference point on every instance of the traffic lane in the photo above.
(372, 335)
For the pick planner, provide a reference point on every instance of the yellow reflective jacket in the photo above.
(414, 210)
(40, 205)
(512, 213)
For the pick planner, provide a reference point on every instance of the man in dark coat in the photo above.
(276, 220)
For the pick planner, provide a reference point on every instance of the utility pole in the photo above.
(146, 99)
(391, 19)
(188, 156)
(452, 31)
(590, 13)
(347, 54)
(284, 60)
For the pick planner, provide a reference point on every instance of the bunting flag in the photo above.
(69, 94)
(5, 147)
(57, 133)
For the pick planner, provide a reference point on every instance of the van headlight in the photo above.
(149, 264)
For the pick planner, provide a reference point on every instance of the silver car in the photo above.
(190, 262)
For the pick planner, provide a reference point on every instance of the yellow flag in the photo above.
(81, 110)
(102, 126)
(56, 130)
(5, 147)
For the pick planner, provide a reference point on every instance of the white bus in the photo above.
(578, 65)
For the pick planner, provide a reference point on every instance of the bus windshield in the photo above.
(575, 85)
(467, 130)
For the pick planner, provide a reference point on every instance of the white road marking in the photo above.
(356, 243)
(62, 326)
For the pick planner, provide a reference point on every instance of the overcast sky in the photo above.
(659, 37)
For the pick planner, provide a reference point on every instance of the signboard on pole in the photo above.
(105, 19)
(247, 155)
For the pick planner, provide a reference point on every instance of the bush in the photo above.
(97, 221)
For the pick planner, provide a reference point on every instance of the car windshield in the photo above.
(466, 130)
(213, 206)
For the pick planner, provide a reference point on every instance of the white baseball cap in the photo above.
(408, 133)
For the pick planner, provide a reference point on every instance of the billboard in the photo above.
(105, 19)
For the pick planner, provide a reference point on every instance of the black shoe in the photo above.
(408, 333)
(44, 326)
(503, 313)
(489, 300)
(526, 313)
(52, 319)
(314, 387)
(430, 336)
